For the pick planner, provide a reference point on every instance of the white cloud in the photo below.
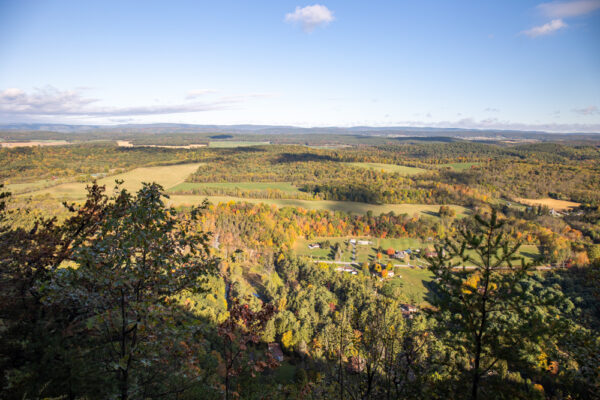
(567, 9)
(49, 101)
(310, 17)
(591, 110)
(545, 29)
(498, 124)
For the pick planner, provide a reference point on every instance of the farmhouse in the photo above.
(275, 350)
(346, 269)
(400, 254)
(408, 310)
(314, 246)
(364, 242)
(555, 213)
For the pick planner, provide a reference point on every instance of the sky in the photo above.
(510, 64)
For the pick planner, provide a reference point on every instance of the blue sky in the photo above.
(475, 64)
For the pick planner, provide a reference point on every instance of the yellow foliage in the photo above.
(471, 283)
(286, 339)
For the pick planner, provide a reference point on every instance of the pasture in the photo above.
(558, 205)
(389, 168)
(368, 253)
(24, 187)
(233, 143)
(364, 253)
(411, 285)
(34, 143)
(167, 176)
(345, 206)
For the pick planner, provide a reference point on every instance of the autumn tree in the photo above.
(242, 329)
(130, 272)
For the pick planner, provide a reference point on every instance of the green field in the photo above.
(345, 206)
(411, 284)
(232, 143)
(458, 166)
(389, 168)
(367, 253)
(283, 186)
(167, 176)
(364, 253)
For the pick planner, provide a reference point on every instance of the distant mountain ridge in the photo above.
(392, 131)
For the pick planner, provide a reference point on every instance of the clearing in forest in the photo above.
(558, 205)
(389, 168)
(345, 206)
(232, 143)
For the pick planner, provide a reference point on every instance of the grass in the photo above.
(367, 253)
(411, 284)
(283, 186)
(458, 166)
(558, 205)
(232, 143)
(167, 176)
(345, 206)
(364, 253)
(17, 188)
(389, 168)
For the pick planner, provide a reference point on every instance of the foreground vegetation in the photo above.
(126, 298)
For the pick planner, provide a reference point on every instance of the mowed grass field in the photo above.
(367, 253)
(283, 186)
(558, 205)
(364, 253)
(233, 143)
(389, 168)
(412, 285)
(18, 188)
(167, 176)
(345, 206)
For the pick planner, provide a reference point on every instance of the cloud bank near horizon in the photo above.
(51, 105)
(51, 102)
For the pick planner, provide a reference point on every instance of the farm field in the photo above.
(558, 205)
(189, 186)
(412, 285)
(167, 176)
(18, 188)
(390, 168)
(233, 143)
(346, 206)
(364, 253)
(34, 143)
